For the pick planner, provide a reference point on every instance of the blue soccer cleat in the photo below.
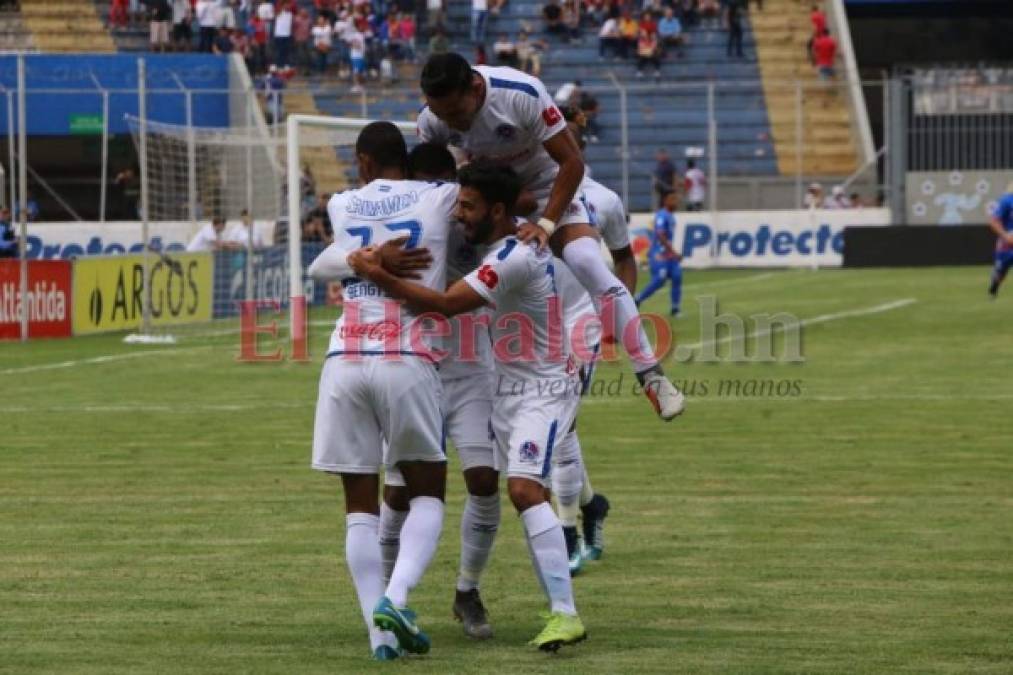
(401, 622)
(594, 513)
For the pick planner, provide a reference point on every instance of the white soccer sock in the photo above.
(583, 257)
(391, 522)
(479, 524)
(567, 477)
(362, 553)
(586, 491)
(419, 539)
(548, 555)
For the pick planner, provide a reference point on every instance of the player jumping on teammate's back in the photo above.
(506, 116)
(529, 409)
(366, 399)
(1002, 225)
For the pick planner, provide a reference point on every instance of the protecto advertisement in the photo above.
(796, 238)
(49, 293)
(108, 291)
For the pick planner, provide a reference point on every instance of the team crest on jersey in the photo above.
(506, 132)
(529, 452)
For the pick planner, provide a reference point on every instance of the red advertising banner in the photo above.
(49, 293)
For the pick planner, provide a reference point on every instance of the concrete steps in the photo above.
(66, 26)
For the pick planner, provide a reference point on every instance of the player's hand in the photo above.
(531, 232)
(1009, 238)
(364, 261)
(402, 262)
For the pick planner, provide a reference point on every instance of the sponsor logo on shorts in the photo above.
(379, 330)
(529, 452)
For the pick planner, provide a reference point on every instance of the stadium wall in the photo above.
(918, 246)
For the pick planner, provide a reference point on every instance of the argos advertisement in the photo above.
(49, 295)
(108, 291)
(796, 238)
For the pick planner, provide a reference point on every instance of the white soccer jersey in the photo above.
(607, 214)
(520, 284)
(517, 116)
(378, 212)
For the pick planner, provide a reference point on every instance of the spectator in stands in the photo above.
(571, 20)
(227, 15)
(648, 53)
(609, 39)
(272, 84)
(824, 53)
(8, 239)
(568, 94)
(302, 27)
(670, 32)
(711, 10)
(837, 199)
(813, 196)
(438, 43)
(819, 22)
(597, 11)
(856, 201)
(356, 41)
(664, 174)
(319, 214)
(159, 13)
(240, 43)
(590, 108)
(207, 19)
(529, 56)
(283, 34)
(434, 16)
(505, 51)
(223, 42)
(326, 9)
(322, 42)
(119, 11)
(628, 32)
(687, 12)
(733, 22)
(648, 24)
(314, 230)
(552, 14)
(257, 28)
(216, 237)
(265, 10)
(479, 17)
(696, 187)
(182, 34)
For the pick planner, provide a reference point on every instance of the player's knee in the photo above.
(481, 481)
(525, 493)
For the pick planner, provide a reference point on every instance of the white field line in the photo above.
(822, 318)
(108, 358)
(736, 280)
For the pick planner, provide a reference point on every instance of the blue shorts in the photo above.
(358, 66)
(1003, 261)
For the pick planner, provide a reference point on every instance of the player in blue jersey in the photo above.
(662, 256)
(1002, 225)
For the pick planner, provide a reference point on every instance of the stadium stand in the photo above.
(782, 31)
(14, 34)
(66, 26)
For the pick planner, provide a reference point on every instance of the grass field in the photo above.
(157, 512)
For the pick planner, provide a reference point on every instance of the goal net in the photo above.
(265, 186)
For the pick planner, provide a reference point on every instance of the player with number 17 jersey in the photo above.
(372, 215)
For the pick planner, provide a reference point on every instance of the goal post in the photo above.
(311, 131)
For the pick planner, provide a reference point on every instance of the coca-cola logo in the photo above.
(379, 330)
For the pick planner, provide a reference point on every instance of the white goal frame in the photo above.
(297, 299)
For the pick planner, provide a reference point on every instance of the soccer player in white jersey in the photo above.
(537, 389)
(506, 116)
(380, 382)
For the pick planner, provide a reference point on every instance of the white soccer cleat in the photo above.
(668, 401)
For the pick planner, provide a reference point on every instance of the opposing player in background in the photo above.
(379, 382)
(536, 396)
(1002, 224)
(664, 259)
(506, 116)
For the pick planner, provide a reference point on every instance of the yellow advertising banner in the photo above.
(108, 291)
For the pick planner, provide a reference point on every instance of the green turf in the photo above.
(157, 514)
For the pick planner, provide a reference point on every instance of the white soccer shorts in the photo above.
(576, 212)
(365, 400)
(467, 402)
(527, 423)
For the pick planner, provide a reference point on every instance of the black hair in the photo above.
(431, 160)
(666, 193)
(570, 112)
(690, 164)
(383, 143)
(445, 74)
(497, 183)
